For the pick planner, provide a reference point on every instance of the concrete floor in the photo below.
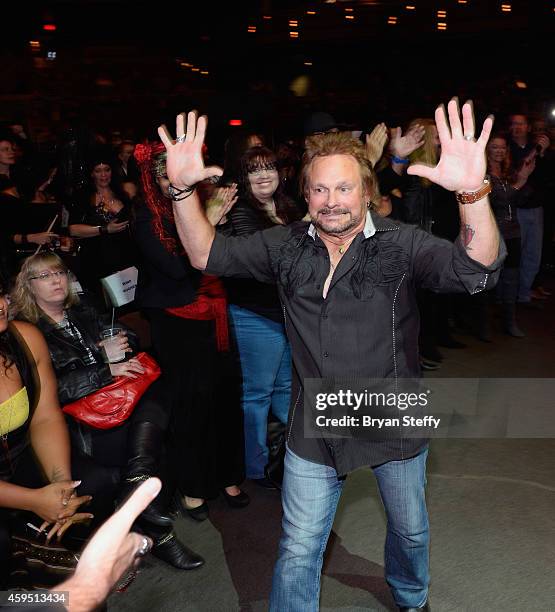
(491, 505)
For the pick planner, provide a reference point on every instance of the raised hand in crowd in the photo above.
(402, 146)
(543, 142)
(221, 203)
(524, 170)
(375, 142)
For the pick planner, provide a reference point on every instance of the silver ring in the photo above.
(469, 138)
(145, 547)
(180, 138)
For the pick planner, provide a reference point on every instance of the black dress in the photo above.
(206, 431)
(105, 254)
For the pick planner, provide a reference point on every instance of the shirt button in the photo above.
(317, 286)
(326, 354)
(324, 316)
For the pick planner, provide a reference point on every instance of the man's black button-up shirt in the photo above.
(366, 327)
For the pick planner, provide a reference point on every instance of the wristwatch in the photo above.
(469, 197)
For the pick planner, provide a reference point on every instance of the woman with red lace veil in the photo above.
(189, 330)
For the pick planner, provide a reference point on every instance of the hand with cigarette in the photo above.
(57, 505)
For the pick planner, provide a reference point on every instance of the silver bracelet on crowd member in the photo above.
(180, 194)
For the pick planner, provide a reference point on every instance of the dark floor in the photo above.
(492, 515)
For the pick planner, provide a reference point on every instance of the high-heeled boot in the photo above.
(169, 549)
(145, 441)
(509, 321)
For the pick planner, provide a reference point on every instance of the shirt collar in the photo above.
(368, 231)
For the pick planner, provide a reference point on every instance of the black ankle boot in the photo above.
(172, 551)
(145, 441)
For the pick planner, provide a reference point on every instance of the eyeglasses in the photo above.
(45, 276)
(260, 169)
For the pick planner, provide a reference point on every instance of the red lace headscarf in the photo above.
(148, 156)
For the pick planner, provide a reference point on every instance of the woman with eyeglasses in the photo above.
(256, 313)
(35, 470)
(130, 452)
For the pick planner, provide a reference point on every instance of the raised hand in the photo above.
(543, 141)
(375, 142)
(402, 146)
(462, 165)
(185, 164)
(221, 203)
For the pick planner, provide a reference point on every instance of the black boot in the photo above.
(509, 321)
(172, 551)
(145, 441)
(424, 608)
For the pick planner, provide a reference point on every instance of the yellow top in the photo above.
(14, 411)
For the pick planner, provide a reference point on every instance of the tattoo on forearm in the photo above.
(467, 233)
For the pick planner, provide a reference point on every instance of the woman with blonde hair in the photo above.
(435, 210)
(72, 330)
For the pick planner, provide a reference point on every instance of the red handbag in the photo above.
(111, 406)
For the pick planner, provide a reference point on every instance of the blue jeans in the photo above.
(310, 494)
(265, 358)
(531, 240)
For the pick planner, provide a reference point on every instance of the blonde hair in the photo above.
(23, 300)
(340, 143)
(426, 154)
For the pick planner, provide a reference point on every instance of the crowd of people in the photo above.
(233, 269)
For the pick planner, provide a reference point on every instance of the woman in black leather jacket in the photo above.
(72, 330)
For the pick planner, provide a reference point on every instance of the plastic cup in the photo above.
(111, 345)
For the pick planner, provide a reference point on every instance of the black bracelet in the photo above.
(184, 196)
(180, 194)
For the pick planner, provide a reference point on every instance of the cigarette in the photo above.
(34, 527)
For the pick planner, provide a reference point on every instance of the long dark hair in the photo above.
(6, 348)
(105, 156)
(262, 157)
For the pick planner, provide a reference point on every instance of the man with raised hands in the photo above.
(347, 283)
